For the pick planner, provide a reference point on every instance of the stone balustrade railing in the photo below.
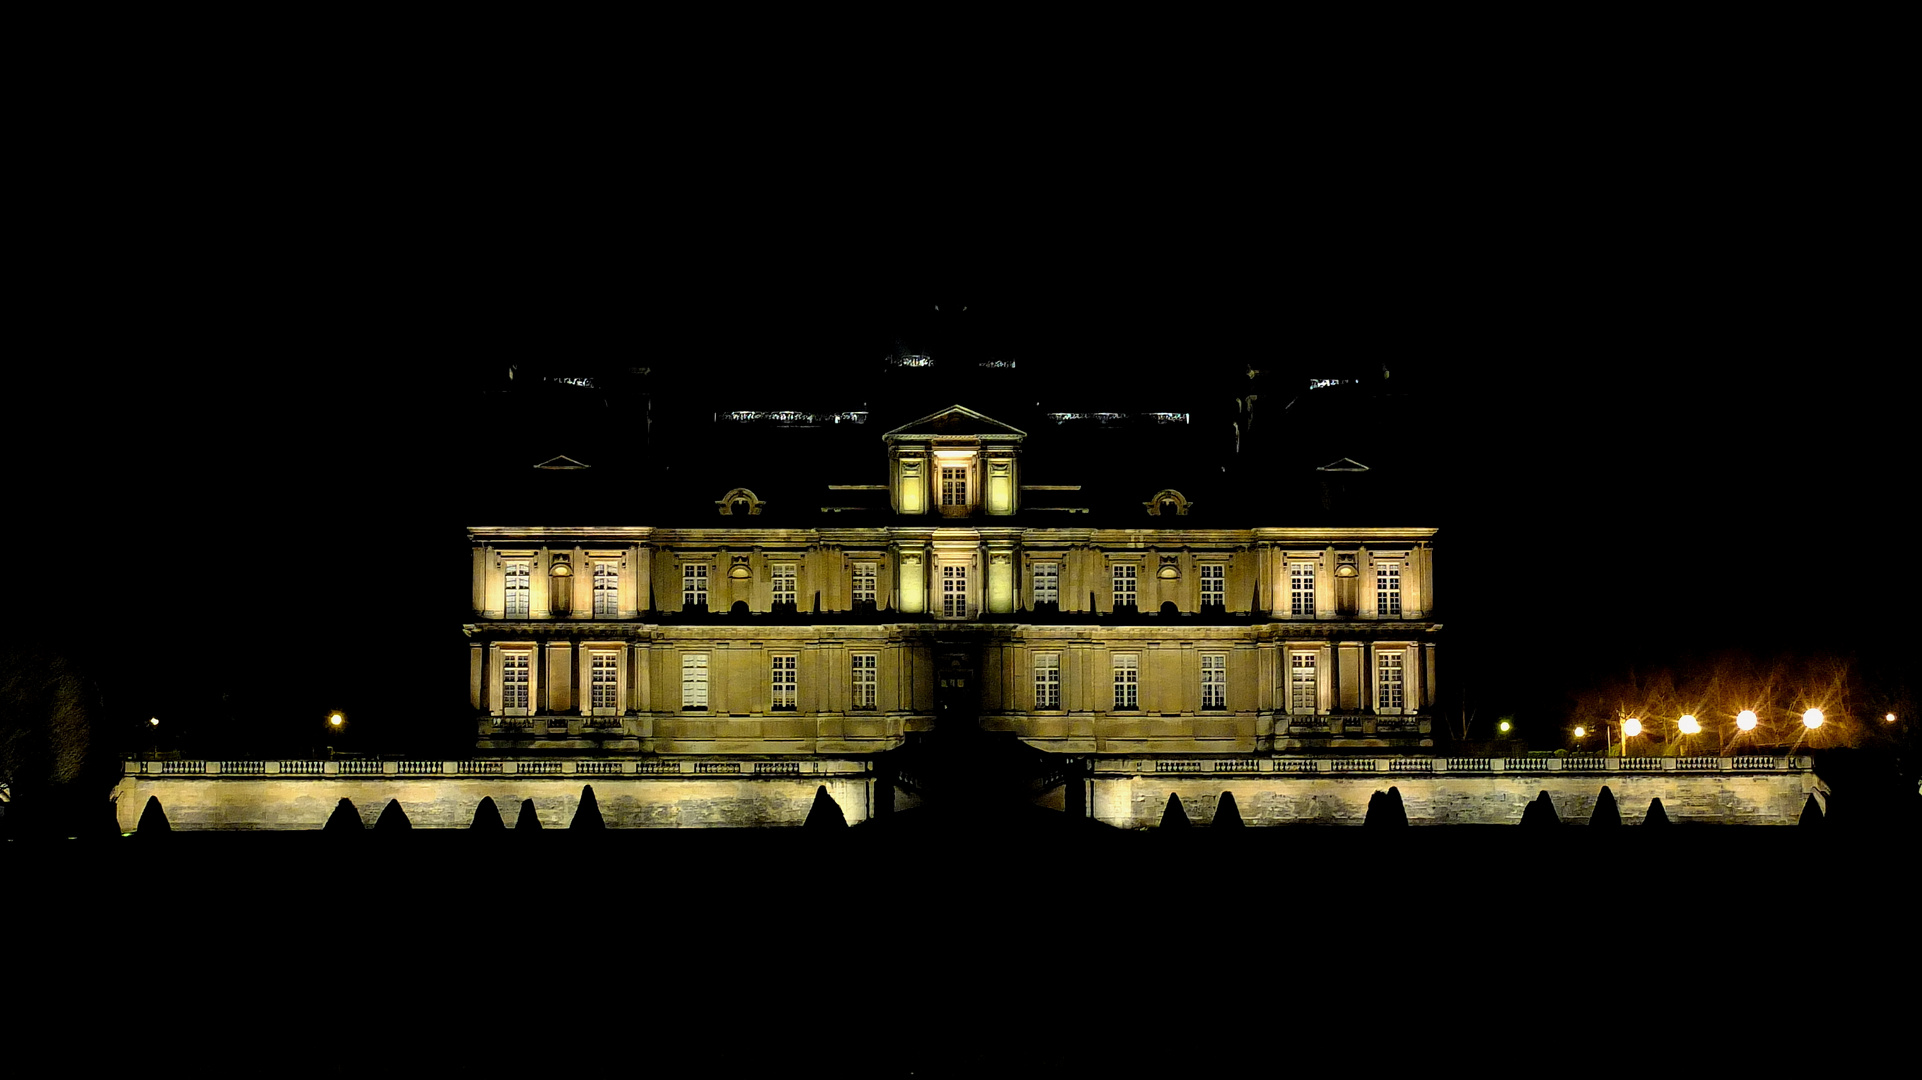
(1439, 766)
(356, 767)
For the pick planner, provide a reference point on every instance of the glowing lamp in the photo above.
(1745, 720)
(1812, 719)
(154, 721)
(1688, 725)
(1580, 731)
(336, 719)
(1890, 718)
(1504, 726)
(1631, 726)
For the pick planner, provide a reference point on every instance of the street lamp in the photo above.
(1745, 720)
(1630, 726)
(1689, 725)
(1812, 719)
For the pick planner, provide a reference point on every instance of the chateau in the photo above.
(944, 582)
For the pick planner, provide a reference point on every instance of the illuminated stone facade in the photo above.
(943, 586)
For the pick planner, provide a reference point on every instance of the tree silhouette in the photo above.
(588, 814)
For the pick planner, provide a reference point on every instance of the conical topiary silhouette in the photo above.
(528, 819)
(487, 817)
(153, 820)
(1385, 808)
(1605, 811)
(344, 819)
(1227, 814)
(1173, 816)
(1397, 810)
(1656, 815)
(1541, 812)
(588, 814)
(825, 813)
(1811, 812)
(392, 818)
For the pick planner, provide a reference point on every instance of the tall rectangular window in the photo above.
(867, 688)
(1047, 583)
(1301, 590)
(1124, 585)
(1047, 680)
(783, 682)
(693, 584)
(1127, 680)
(1388, 589)
(864, 578)
(1214, 681)
(1388, 690)
(1303, 691)
(1214, 585)
(607, 590)
(954, 591)
(516, 588)
(693, 681)
(514, 681)
(785, 577)
(604, 688)
(954, 486)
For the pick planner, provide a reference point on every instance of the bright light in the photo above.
(154, 721)
(1504, 725)
(1631, 726)
(1890, 718)
(1688, 725)
(1812, 719)
(1580, 731)
(1745, 720)
(336, 719)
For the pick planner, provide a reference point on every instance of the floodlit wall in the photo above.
(242, 803)
(1132, 802)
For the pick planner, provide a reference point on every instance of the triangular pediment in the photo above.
(560, 461)
(955, 421)
(1344, 465)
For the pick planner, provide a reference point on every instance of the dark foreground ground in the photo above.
(1028, 946)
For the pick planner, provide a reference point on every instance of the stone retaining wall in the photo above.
(625, 802)
(1131, 802)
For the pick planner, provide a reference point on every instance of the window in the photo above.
(1214, 681)
(607, 590)
(1388, 589)
(1301, 590)
(1388, 686)
(693, 681)
(516, 589)
(514, 682)
(1047, 583)
(1047, 680)
(954, 485)
(1214, 585)
(1127, 678)
(693, 584)
(864, 578)
(604, 686)
(866, 688)
(1124, 586)
(783, 682)
(784, 583)
(954, 591)
(1303, 692)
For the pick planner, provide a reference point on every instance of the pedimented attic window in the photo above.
(560, 461)
(1344, 465)
(740, 502)
(1168, 503)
